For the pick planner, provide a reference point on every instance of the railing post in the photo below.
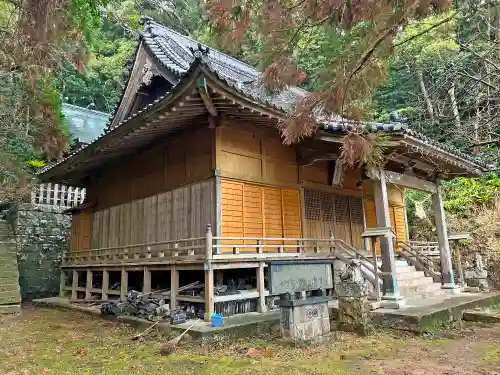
(375, 267)
(259, 247)
(208, 243)
(332, 243)
(176, 252)
(300, 246)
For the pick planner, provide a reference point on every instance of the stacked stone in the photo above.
(352, 297)
(10, 296)
(42, 236)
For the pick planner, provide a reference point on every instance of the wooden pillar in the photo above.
(261, 288)
(88, 284)
(447, 276)
(174, 286)
(105, 284)
(209, 275)
(74, 285)
(146, 282)
(389, 280)
(124, 284)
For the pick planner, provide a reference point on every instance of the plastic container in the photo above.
(217, 320)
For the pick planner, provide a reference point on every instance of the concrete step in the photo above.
(407, 291)
(416, 281)
(410, 275)
(435, 294)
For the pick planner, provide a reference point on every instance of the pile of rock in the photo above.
(150, 308)
(140, 305)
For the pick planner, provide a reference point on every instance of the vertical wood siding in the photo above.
(81, 231)
(250, 210)
(328, 212)
(176, 214)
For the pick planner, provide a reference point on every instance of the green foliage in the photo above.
(36, 163)
(463, 195)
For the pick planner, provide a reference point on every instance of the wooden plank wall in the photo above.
(176, 214)
(255, 155)
(180, 160)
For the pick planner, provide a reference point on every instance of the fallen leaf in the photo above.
(255, 352)
(82, 351)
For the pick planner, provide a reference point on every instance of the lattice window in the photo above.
(341, 209)
(327, 207)
(356, 208)
(312, 203)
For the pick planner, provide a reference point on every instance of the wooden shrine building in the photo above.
(193, 183)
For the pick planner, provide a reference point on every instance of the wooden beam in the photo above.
(88, 284)
(124, 284)
(74, 285)
(174, 286)
(444, 243)
(409, 181)
(418, 164)
(389, 279)
(201, 83)
(105, 284)
(314, 156)
(146, 284)
(209, 293)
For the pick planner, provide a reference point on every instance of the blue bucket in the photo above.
(217, 320)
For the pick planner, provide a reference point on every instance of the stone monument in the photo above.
(352, 297)
(476, 275)
(304, 314)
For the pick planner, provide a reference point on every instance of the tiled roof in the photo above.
(178, 53)
(84, 124)
(175, 52)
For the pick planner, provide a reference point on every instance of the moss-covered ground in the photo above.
(53, 342)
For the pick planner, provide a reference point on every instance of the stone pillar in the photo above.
(304, 320)
(352, 296)
(447, 276)
(390, 282)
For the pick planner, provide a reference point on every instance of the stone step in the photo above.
(416, 281)
(410, 275)
(405, 269)
(419, 289)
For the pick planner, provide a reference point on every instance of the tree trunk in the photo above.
(454, 105)
(428, 102)
(477, 121)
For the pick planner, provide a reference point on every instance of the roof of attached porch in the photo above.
(213, 85)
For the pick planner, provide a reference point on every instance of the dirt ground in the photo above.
(52, 342)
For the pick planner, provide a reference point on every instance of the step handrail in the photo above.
(371, 274)
(420, 261)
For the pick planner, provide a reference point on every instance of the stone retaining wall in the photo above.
(9, 276)
(42, 234)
